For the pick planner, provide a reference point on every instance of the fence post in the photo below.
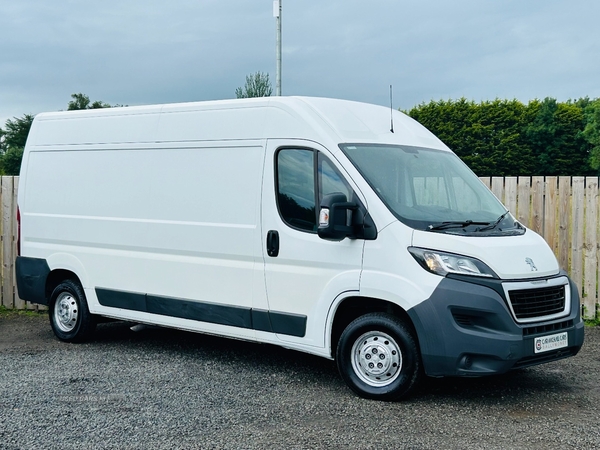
(537, 205)
(19, 303)
(524, 200)
(564, 244)
(510, 194)
(590, 264)
(7, 242)
(498, 188)
(577, 226)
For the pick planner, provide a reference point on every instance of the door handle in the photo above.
(272, 243)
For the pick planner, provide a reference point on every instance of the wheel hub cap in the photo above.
(65, 312)
(376, 358)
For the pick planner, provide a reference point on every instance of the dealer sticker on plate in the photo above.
(552, 342)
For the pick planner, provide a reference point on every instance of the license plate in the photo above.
(552, 342)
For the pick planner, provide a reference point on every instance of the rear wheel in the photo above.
(378, 357)
(70, 317)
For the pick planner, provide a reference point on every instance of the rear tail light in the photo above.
(18, 231)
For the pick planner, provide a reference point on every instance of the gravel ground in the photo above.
(160, 388)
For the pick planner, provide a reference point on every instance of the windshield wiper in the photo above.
(454, 224)
(491, 226)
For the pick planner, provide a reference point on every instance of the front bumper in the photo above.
(467, 329)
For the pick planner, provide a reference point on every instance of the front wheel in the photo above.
(378, 357)
(70, 317)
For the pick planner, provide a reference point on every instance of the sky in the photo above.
(134, 52)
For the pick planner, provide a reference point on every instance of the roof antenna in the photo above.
(391, 112)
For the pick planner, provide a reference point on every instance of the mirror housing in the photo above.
(335, 223)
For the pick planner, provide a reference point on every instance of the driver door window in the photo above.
(304, 177)
(296, 188)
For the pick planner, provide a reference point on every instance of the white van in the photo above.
(337, 228)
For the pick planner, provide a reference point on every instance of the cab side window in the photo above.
(304, 177)
(330, 180)
(296, 188)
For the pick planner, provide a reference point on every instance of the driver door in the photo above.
(303, 273)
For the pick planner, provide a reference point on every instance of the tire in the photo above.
(397, 369)
(69, 315)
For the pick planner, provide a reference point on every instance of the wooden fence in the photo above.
(564, 210)
(8, 250)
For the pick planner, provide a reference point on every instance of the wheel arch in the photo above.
(353, 307)
(57, 276)
(64, 266)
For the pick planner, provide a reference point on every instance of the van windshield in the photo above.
(431, 190)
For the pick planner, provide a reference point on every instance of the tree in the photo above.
(556, 139)
(486, 136)
(82, 101)
(10, 162)
(257, 85)
(509, 138)
(13, 138)
(12, 143)
(17, 129)
(591, 132)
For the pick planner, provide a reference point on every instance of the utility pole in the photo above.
(277, 15)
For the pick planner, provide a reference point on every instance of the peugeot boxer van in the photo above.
(336, 228)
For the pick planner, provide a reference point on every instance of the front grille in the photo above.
(549, 328)
(532, 303)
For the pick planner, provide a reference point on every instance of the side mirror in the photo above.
(335, 217)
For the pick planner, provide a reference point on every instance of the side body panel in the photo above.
(174, 221)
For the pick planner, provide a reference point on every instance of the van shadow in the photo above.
(513, 387)
(265, 358)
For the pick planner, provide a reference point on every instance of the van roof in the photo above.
(329, 121)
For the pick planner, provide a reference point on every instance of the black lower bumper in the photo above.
(31, 274)
(467, 329)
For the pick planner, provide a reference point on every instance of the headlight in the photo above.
(442, 263)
